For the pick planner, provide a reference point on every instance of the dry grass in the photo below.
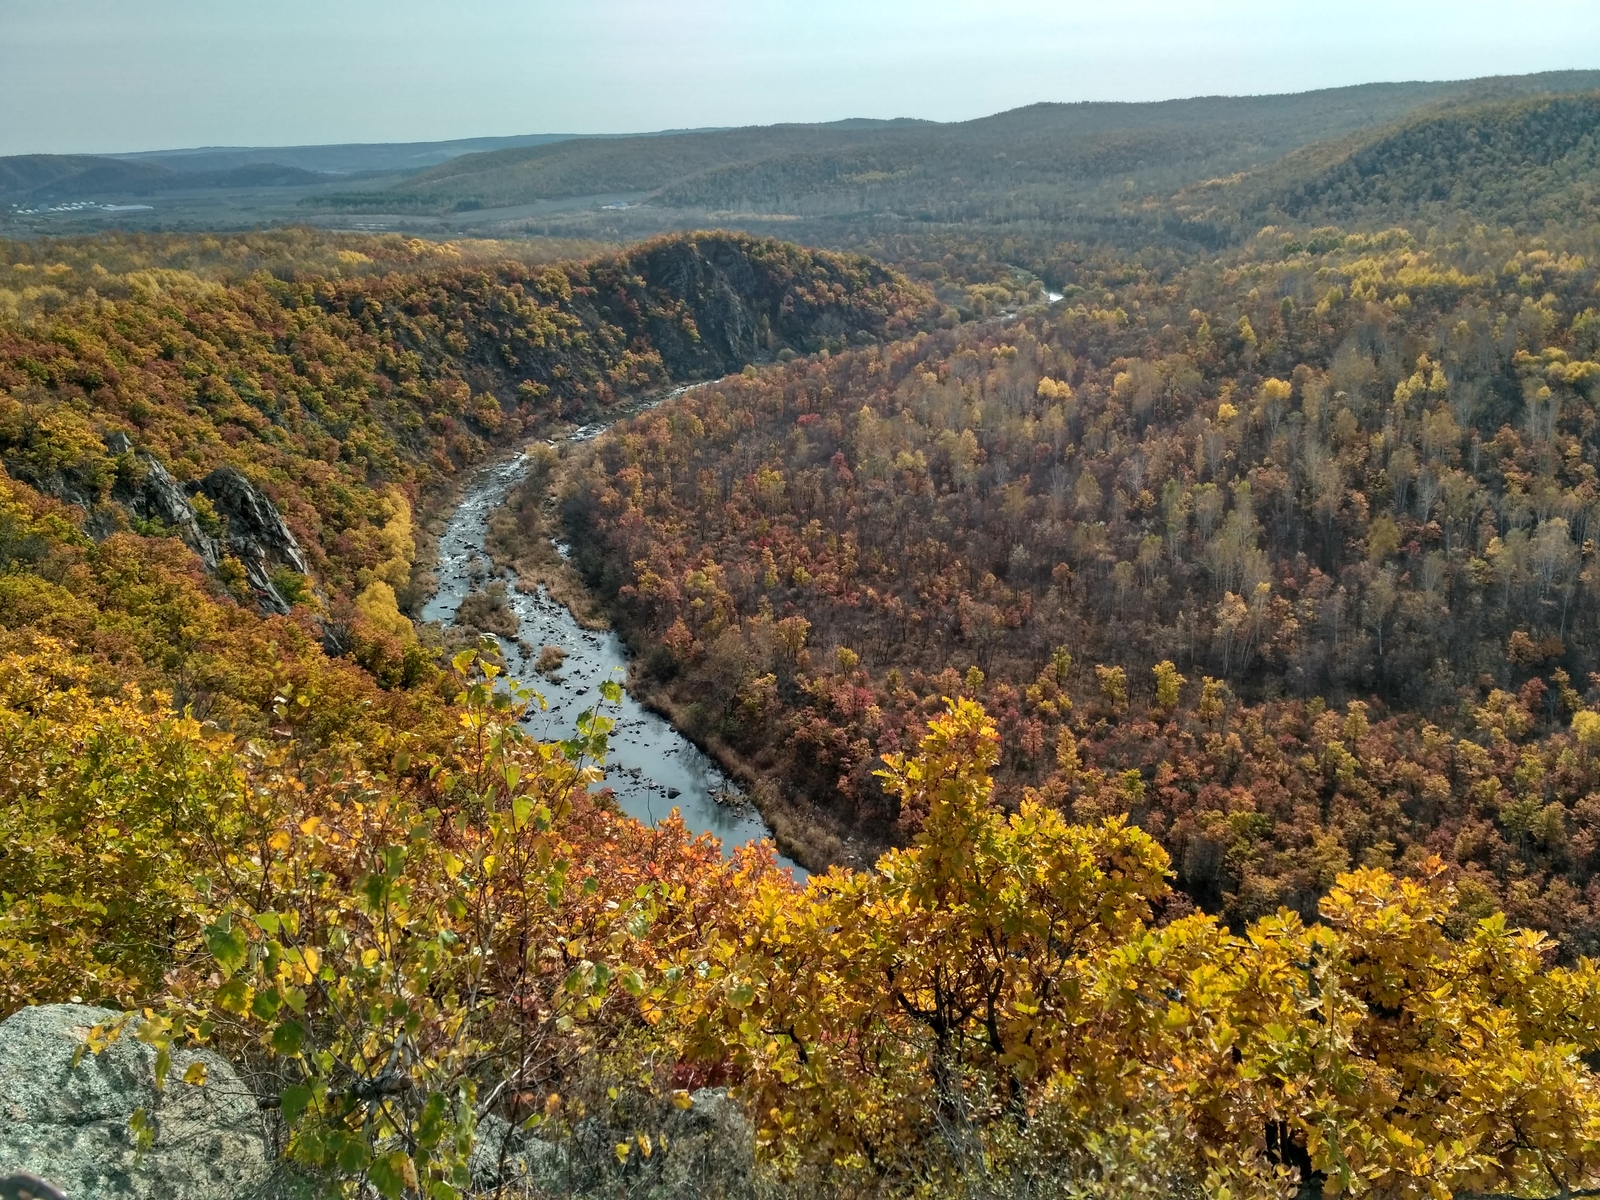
(520, 533)
(489, 611)
(808, 836)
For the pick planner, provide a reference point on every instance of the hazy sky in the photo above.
(107, 75)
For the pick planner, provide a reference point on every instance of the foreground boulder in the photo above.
(69, 1125)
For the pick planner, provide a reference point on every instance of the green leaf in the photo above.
(227, 945)
(611, 690)
(287, 1038)
(353, 1154)
(295, 1100)
(394, 861)
(233, 996)
(143, 1130)
(388, 1174)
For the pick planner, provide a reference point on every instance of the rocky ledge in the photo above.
(68, 1124)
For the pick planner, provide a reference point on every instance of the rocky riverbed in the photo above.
(652, 768)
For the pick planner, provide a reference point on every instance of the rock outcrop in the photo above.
(69, 1124)
(158, 497)
(252, 529)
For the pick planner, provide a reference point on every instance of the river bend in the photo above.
(651, 767)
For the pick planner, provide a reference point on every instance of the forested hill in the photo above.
(133, 402)
(1293, 560)
(1526, 163)
(1035, 163)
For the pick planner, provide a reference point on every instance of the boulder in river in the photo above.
(68, 1124)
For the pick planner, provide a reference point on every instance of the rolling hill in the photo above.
(1042, 162)
(75, 176)
(1522, 163)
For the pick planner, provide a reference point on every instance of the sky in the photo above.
(85, 76)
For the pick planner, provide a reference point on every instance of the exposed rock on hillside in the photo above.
(69, 1125)
(158, 497)
(248, 526)
(254, 532)
(749, 299)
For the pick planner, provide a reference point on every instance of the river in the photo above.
(651, 767)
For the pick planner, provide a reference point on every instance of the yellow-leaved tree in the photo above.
(993, 1007)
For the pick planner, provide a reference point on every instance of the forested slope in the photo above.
(1268, 871)
(1355, 490)
(343, 402)
(1039, 163)
(1528, 164)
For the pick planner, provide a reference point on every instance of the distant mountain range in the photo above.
(1199, 171)
(38, 177)
(359, 157)
(1044, 161)
(42, 177)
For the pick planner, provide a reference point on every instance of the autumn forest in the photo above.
(1164, 625)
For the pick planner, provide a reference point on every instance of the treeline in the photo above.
(1348, 495)
(44, 274)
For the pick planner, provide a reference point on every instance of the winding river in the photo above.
(651, 767)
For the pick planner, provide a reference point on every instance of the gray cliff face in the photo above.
(158, 497)
(248, 525)
(69, 1124)
(253, 530)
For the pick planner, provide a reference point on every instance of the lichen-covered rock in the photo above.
(706, 1152)
(251, 527)
(506, 1161)
(69, 1125)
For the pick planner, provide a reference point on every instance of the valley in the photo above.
(651, 768)
(1056, 654)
